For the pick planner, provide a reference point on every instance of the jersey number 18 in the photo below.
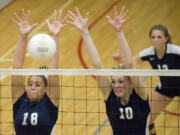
(33, 119)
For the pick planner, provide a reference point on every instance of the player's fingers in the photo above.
(87, 14)
(60, 14)
(16, 22)
(34, 25)
(72, 14)
(122, 10)
(69, 16)
(28, 14)
(23, 16)
(109, 19)
(55, 13)
(78, 12)
(115, 11)
(69, 22)
(18, 18)
(63, 19)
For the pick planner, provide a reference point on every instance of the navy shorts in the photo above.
(169, 92)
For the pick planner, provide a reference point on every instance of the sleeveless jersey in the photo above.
(131, 119)
(170, 60)
(34, 118)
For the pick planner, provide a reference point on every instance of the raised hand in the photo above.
(117, 58)
(57, 25)
(23, 23)
(77, 20)
(119, 20)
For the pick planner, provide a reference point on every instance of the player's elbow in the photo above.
(130, 65)
(97, 64)
(17, 65)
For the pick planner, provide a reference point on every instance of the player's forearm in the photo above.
(125, 50)
(19, 55)
(55, 59)
(92, 51)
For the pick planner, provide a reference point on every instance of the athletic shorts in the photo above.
(169, 92)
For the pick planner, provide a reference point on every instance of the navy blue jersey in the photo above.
(34, 118)
(170, 60)
(131, 119)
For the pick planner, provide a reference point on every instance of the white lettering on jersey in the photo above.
(128, 113)
(34, 119)
(163, 66)
(24, 119)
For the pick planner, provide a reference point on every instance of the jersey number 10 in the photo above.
(126, 113)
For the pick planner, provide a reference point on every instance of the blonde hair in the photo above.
(121, 66)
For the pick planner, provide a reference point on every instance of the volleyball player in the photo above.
(164, 55)
(35, 109)
(126, 98)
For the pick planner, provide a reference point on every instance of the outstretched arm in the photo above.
(24, 28)
(55, 28)
(82, 24)
(117, 24)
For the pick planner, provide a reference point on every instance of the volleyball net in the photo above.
(82, 108)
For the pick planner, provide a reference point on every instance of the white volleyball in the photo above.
(42, 47)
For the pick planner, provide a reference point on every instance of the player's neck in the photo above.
(160, 52)
(124, 100)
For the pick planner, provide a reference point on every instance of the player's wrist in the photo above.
(85, 32)
(23, 36)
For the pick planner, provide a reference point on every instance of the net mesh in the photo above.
(82, 108)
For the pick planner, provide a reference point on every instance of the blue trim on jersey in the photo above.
(130, 119)
(34, 118)
(168, 86)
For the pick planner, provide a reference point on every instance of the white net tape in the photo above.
(103, 72)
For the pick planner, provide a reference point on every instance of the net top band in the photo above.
(100, 72)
